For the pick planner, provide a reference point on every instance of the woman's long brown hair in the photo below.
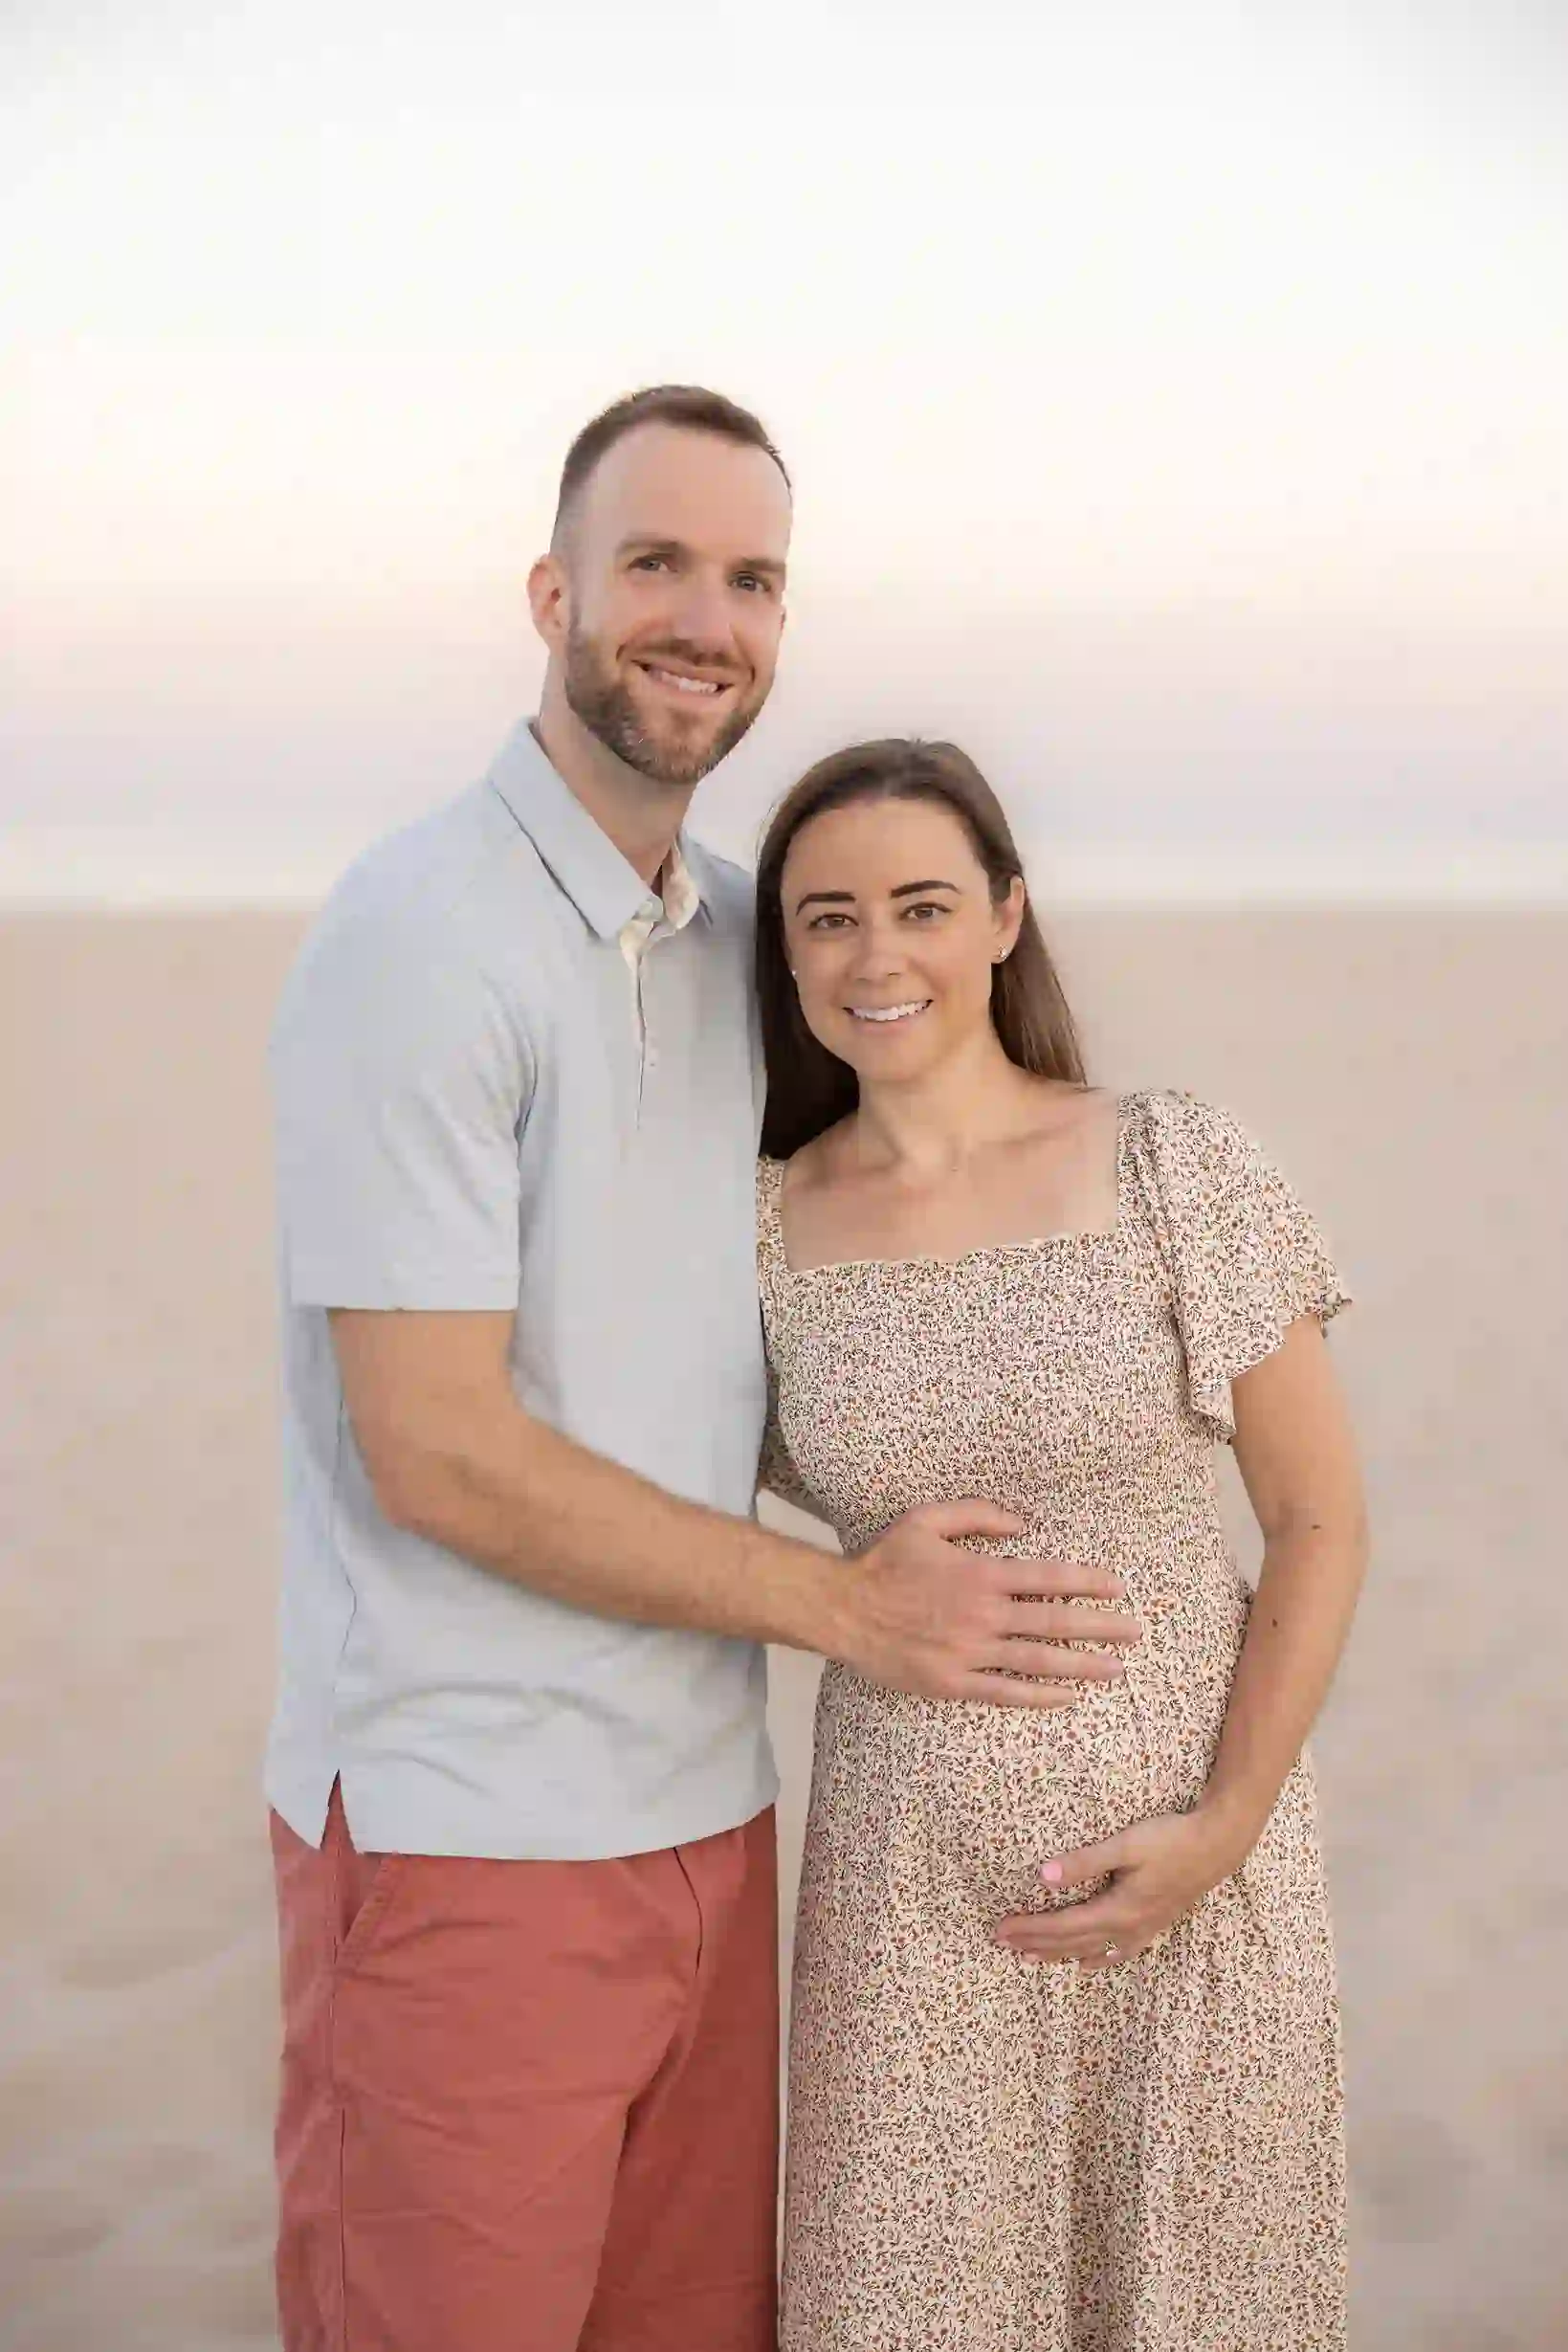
(809, 1088)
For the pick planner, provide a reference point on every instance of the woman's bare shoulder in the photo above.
(818, 1165)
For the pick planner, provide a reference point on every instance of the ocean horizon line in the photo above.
(70, 870)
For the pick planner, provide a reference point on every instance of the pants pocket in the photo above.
(363, 1888)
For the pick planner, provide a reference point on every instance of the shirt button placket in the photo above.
(651, 913)
(651, 1046)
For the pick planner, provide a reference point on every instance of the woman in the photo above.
(1064, 2067)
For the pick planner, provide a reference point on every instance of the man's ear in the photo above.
(549, 600)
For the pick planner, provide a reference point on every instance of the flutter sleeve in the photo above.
(1245, 1257)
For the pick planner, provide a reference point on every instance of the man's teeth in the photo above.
(889, 1012)
(687, 685)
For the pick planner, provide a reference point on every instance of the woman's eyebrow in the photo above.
(846, 897)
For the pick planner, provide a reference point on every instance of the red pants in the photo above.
(528, 2106)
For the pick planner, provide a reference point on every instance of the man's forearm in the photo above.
(532, 1505)
(451, 1456)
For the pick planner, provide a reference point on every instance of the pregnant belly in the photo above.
(937, 1801)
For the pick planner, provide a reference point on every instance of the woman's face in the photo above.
(892, 934)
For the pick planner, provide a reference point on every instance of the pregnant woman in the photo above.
(1065, 2059)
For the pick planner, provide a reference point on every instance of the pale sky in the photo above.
(1177, 397)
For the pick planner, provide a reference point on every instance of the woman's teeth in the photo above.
(889, 1012)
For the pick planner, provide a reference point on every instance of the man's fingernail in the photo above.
(1051, 1874)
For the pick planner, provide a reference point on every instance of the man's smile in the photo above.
(689, 684)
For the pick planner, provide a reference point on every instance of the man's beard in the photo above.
(603, 702)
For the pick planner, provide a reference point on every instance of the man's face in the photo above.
(670, 602)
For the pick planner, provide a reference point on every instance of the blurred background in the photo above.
(1178, 401)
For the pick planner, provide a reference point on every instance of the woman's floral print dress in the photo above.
(987, 2155)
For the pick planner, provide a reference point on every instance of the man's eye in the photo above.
(649, 563)
(751, 580)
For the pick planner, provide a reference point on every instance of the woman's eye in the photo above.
(925, 908)
(827, 922)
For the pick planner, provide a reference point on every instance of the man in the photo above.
(521, 1779)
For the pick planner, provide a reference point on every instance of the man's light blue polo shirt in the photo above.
(469, 1115)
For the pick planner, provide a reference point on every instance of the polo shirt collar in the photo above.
(580, 856)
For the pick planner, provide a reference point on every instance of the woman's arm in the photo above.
(1298, 1461)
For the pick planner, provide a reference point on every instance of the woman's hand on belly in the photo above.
(1159, 1870)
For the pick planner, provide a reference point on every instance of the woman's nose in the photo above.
(876, 951)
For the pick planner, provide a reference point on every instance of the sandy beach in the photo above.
(1408, 1070)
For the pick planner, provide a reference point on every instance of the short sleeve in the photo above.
(400, 1077)
(1246, 1260)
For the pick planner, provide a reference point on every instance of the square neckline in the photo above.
(924, 1260)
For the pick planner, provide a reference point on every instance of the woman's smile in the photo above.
(889, 1012)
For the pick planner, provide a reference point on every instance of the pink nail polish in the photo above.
(1051, 1874)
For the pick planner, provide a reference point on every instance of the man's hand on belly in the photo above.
(918, 1614)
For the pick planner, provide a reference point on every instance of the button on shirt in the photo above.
(509, 1076)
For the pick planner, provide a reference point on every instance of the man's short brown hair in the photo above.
(689, 406)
